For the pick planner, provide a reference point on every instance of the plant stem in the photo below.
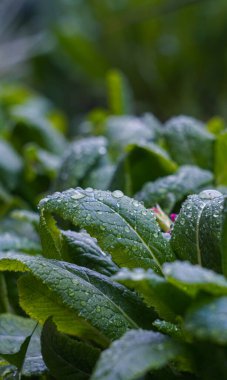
(4, 300)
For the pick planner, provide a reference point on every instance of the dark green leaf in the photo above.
(167, 300)
(124, 130)
(167, 191)
(192, 278)
(122, 226)
(81, 158)
(206, 320)
(20, 344)
(67, 358)
(107, 306)
(31, 126)
(136, 353)
(143, 162)
(197, 231)
(83, 250)
(184, 138)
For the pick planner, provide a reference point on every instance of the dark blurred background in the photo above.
(172, 53)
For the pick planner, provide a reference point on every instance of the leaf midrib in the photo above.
(139, 236)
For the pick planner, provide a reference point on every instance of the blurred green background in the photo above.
(172, 53)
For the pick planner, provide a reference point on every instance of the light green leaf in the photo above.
(197, 231)
(166, 299)
(83, 250)
(184, 137)
(192, 278)
(20, 344)
(107, 306)
(136, 353)
(67, 358)
(122, 226)
(119, 93)
(167, 191)
(206, 320)
(81, 158)
(40, 303)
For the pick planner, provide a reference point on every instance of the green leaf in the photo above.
(67, 358)
(184, 137)
(206, 320)
(20, 344)
(220, 159)
(100, 176)
(40, 303)
(119, 93)
(167, 191)
(166, 299)
(81, 158)
(168, 328)
(122, 226)
(107, 306)
(32, 126)
(10, 241)
(26, 216)
(136, 353)
(192, 278)
(134, 168)
(125, 130)
(83, 250)
(197, 231)
(10, 165)
(39, 162)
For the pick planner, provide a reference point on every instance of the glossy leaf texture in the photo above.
(184, 137)
(142, 162)
(136, 353)
(197, 231)
(121, 225)
(91, 298)
(67, 358)
(20, 344)
(169, 190)
(167, 300)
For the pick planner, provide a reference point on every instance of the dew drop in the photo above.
(136, 204)
(117, 194)
(127, 229)
(77, 195)
(89, 189)
(210, 194)
(102, 228)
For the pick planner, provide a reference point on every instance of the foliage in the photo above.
(107, 286)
